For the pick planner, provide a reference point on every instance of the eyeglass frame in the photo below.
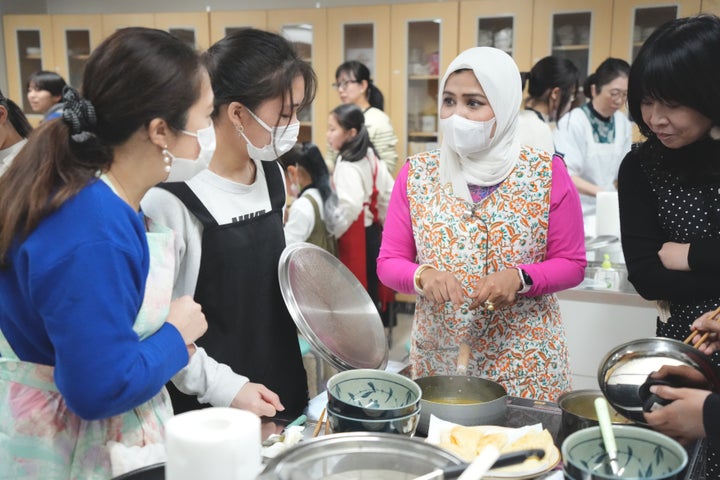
(618, 94)
(343, 85)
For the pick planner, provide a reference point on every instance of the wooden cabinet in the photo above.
(579, 31)
(307, 30)
(193, 28)
(112, 22)
(362, 34)
(504, 24)
(222, 23)
(424, 42)
(74, 37)
(710, 6)
(635, 20)
(28, 48)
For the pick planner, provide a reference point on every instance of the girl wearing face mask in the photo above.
(363, 188)
(485, 231)
(228, 218)
(552, 84)
(595, 137)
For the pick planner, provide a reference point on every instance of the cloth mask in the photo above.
(184, 168)
(282, 139)
(465, 136)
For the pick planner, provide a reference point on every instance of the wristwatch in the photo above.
(525, 279)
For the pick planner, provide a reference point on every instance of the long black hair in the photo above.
(678, 64)
(134, 76)
(360, 73)
(16, 116)
(548, 73)
(350, 116)
(251, 66)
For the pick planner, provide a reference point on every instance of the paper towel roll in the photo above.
(607, 216)
(213, 443)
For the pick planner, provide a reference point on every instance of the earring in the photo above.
(239, 129)
(167, 159)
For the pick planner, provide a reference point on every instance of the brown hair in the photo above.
(134, 76)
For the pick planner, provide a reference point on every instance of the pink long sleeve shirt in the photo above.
(565, 259)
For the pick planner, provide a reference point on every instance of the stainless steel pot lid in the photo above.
(359, 455)
(331, 308)
(624, 371)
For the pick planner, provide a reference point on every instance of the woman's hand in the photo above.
(258, 399)
(674, 256)
(706, 323)
(683, 418)
(187, 316)
(441, 287)
(499, 289)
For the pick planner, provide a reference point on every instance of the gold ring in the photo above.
(489, 305)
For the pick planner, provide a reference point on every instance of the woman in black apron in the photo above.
(229, 218)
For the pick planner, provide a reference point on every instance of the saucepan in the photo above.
(461, 399)
(624, 373)
(578, 412)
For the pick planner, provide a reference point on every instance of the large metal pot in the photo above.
(359, 455)
(578, 412)
(461, 399)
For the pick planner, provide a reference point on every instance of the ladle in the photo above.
(606, 430)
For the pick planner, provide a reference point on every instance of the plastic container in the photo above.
(607, 277)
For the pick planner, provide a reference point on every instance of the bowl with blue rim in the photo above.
(368, 394)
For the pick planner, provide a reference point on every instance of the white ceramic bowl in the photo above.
(642, 453)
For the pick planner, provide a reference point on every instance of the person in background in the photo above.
(552, 84)
(668, 185)
(484, 231)
(595, 137)
(354, 86)
(14, 130)
(310, 218)
(44, 93)
(88, 333)
(228, 218)
(363, 189)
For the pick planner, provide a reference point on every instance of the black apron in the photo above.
(249, 326)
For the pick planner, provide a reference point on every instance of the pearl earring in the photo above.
(167, 159)
(239, 129)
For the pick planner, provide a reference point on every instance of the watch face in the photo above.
(526, 277)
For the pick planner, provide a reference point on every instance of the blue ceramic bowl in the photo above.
(642, 453)
(403, 425)
(372, 395)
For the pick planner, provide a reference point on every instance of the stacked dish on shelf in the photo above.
(368, 400)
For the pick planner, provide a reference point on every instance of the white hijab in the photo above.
(499, 77)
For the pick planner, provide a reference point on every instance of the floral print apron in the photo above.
(521, 347)
(43, 438)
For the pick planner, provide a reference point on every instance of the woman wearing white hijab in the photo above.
(485, 231)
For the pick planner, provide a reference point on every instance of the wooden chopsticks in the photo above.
(321, 421)
(705, 335)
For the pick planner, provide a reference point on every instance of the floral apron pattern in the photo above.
(523, 346)
(41, 438)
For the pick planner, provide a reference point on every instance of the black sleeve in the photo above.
(711, 417)
(642, 237)
(704, 255)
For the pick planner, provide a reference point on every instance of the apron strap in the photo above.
(275, 184)
(191, 201)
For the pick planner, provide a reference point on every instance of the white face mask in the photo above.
(466, 137)
(184, 168)
(282, 139)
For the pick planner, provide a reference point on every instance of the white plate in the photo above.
(437, 427)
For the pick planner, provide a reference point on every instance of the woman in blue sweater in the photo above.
(88, 335)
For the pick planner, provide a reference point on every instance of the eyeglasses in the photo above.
(343, 85)
(618, 94)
